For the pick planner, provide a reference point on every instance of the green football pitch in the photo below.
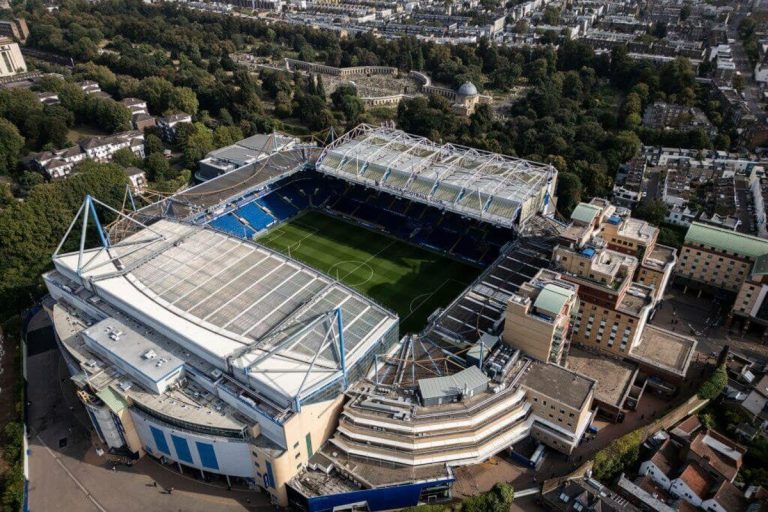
(407, 279)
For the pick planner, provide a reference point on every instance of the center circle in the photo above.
(343, 270)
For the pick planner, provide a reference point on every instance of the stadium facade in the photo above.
(193, 343)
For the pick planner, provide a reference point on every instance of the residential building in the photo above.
(581, 494)
(538, 317)
(59, 163)
(727, 263)
(11, 59)
(169, 124)
(697, 466)
(137, 179)
(15, 29)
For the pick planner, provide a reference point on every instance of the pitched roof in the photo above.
(730, 497)
(585, 213)
(667, 456)
(687, 427)
(697, 480)
(552, 298)
(722, 454)
(726, 240)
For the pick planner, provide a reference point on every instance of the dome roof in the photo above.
(467, 89)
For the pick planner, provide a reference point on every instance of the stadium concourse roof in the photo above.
(488, 186)
(234, 303)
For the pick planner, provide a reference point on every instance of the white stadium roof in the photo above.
(234, 303)
(489, 186)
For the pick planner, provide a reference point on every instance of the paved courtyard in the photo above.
(704, 319)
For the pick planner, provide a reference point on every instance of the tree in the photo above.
(569, 190)
(157, 167)
(126, 158)
(11, 144)
(30, 230)
(346, 101)
(198, 144)
(551, 15)
(713, 386)
(28, 181)
(498, 499)
(153, 144)
(107, 114)
(618, 455)
(182, 99)
(226, 135)
(654, 211)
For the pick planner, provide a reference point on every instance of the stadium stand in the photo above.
(443, 231)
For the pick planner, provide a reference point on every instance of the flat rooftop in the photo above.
(189, 403)
(561, 384)
(376, 473)
(660, 257)
(637, 229)
(666, 349)
(614, 377)
(635, 299)
(127, 346)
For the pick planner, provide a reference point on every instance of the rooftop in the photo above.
(563, 385)
(552, 298)
(585, 213)
(484, 185)
(669, 350)
(697, 479)
(637, 229)
(450, 385)
(124, 345)
(722, 454)
(726, 240)
(730, 498)
(234, 302)
(637, 297)
(614, 377)
(667, 457)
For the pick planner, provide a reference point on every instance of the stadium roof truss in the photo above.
(479, 184)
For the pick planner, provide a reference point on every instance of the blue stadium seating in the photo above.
(418, 223)
(256, 217)
(229, 224)
(277, 206)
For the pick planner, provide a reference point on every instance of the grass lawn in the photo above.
(407, 279)
(83, 131)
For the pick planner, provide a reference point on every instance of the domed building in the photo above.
(466, 99)
(467, 90)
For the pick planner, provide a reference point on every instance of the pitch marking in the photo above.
(360, 264)
(429, 296)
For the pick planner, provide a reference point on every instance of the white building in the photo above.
(11, 59)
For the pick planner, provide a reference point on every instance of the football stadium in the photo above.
(320, 323)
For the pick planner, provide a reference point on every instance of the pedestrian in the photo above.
(154, 483)
(170, 490)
